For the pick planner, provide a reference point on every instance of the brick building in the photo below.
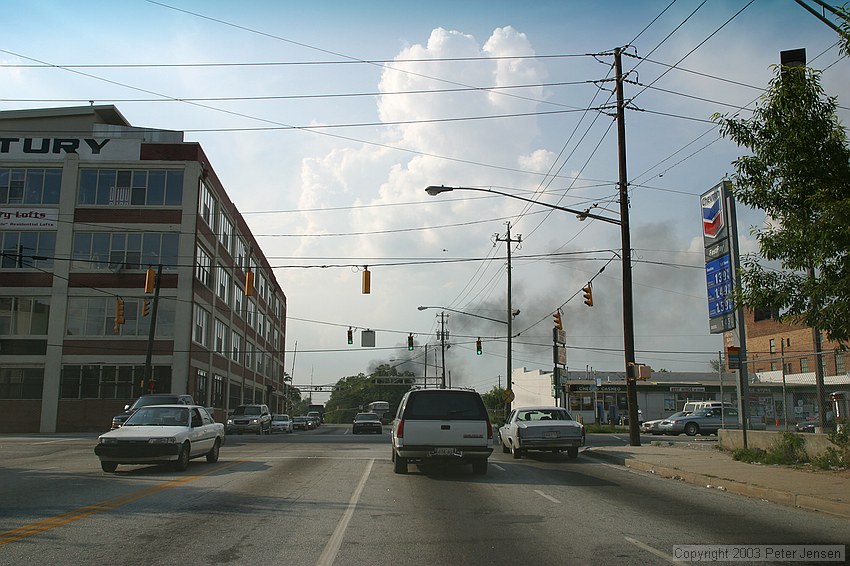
(88, 204)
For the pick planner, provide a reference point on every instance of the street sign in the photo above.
(559, 354)
(508, 396)
(733, 357)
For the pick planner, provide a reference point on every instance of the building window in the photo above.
(95, 316)
(203, 267)
(235, 346)
(249, 355)
(773, 366)
(787, 367)
(234, 395)
(804, 365)
(128, 250)
(201, 333)
(225, 233)
(24, 316)
(138, 187)
(208, 206)
(840, 366)
(21, 383)
(238, 300)
(30, 186)
(27, 250)
(201, 387)
(251, 313)
(241, 254)
(224, 284)
(218, 391)
(772, 346)
(110, 381)
(221, 337)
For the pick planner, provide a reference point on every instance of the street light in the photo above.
(626, 256)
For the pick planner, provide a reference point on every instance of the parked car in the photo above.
(300, 423)
(541, 428)
(366, 422)
(152, 399)
(281, 423)
(445, 425)
(162, 434)
(703, 421)
(250, 418)
(651, 427)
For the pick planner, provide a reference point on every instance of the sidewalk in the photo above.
(707, 466)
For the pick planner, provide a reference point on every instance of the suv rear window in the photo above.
(446, 405)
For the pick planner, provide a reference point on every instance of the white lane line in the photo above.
(549, 497)
(657, 553)
(331, 549)
(498, 467)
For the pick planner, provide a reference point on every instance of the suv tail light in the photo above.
(399, 431)
(489, 430)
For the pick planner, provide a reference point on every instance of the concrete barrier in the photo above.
(815, 443)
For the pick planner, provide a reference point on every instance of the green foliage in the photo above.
(798, 173)
(603, 428)
(838, 457)
(788, 450)
(494, 401)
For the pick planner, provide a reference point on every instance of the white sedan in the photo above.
(159, 434)
(541, 428)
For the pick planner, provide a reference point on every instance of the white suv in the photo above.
(445, 425)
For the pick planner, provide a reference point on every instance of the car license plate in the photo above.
(444, 451)
(550, 434)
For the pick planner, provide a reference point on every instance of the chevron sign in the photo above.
(712, 214)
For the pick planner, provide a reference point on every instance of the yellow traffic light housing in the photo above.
(150, 281)
(146, 307)
(249, 284)
(588, 294)
(557, 320)
(367, 282)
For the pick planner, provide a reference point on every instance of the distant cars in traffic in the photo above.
(313, 420)
(250, 418)
(544, 428)
(702, 421)
(162, 434)
(281, 423)
(152, 399)
(366, 422)
(301, 423)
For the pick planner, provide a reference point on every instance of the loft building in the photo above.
(91, 209)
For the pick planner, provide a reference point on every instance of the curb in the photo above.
(810, 502)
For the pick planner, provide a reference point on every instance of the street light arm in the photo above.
(466, 313)
(434, 190)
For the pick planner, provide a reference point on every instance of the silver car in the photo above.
(704, 421)
(281, 423)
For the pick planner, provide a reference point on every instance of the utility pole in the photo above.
(152, 332)
(509, 241)
(443, 348)
(628, 308)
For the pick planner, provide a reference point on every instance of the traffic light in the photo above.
(557, 320)
(119, 310)
(249, 284)
(152, 386)
(410, 341)
(350, 336)
(366, 287)
(146, 307)
(150, 281)
(478, 347)
(588, 294)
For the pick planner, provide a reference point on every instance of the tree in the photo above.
(352, 394)
(799, 174)
(494, 400)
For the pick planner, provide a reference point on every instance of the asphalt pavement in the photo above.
(706, 465)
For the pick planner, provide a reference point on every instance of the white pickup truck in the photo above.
(445, 425)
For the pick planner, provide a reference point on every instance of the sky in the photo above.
(325, 121)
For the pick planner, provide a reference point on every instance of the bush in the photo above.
(837, 457)
(790, 449)
(749, 455)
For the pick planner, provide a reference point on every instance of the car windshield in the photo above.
(160, 400)
(455, 405)
(248, 410)
(300, 419)
(544, 415)
(159, 416)
(280, 418)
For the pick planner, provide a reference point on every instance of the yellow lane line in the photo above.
(83, 512)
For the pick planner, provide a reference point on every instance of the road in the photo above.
(327, 497)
